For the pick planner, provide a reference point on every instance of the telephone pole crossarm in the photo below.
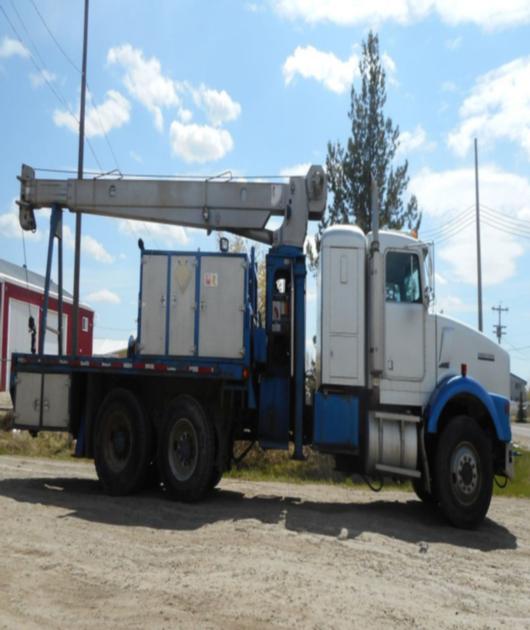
(499, 329)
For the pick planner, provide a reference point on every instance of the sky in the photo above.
(259, 88)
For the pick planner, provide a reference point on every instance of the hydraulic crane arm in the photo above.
(240, 207)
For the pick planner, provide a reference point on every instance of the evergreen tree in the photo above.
(371, 148)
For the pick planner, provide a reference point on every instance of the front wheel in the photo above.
(464, 472)
(186, 450)
(421, 492)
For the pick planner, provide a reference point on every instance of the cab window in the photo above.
(402, 278)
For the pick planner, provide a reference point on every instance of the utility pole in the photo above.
(77, 253)
(498, 329)
(479, 258)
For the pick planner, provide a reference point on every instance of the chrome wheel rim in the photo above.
(183, 450)
(117, 440)
(465, 473)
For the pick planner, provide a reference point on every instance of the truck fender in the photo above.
(497, 407)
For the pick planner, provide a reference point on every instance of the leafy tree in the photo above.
(371, 148)
(240, 245)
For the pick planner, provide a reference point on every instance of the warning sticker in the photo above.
(210, 279)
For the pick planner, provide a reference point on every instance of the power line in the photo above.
(522, 351)
(57, 43)
(506, 224)
(449, 224)
(42, 73)
(75, 67)
(498, 225)
(505, 216)
(450, 234)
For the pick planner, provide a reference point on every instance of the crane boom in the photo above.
(240, 207)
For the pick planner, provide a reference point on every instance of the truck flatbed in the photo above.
(188, 367)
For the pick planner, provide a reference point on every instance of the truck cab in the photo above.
(394, 378)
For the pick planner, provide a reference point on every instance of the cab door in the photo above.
(405, 315)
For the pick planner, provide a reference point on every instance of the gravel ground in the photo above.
(254, 555)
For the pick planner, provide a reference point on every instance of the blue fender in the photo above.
(498, 407)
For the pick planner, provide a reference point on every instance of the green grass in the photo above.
(45, 444)
(277, 466)
(257, 466)
(520, 486)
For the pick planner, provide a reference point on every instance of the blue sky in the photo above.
(259, 88)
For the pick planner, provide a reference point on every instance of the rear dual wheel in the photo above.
(123, 444)
(186, 452)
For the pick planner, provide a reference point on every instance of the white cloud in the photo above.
(12, 48)
(89, 246)
(136, 156)
(199, 143)
(92, 247)
(449, 193)
(495, 246)
(108, 346)
(10, 225)
(414, 140)
(185, 115)
(442, 192)
(389, 66)
(40, 78)
(440, 279)
(488, 14)
(144, 80)
(154, 233)
(498, 107)
(113, 113)
(218, 105)
(454, 43)
(325, 67)
(104, 296)
(448, 86)
(295, 169)
(452, 304)
(253, 7)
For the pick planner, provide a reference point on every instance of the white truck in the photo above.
(400, 392)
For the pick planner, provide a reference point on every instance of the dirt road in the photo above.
(255, 555)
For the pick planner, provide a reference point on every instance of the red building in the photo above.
(21, 297)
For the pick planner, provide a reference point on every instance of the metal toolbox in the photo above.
(193, 305)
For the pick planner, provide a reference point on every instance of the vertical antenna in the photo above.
(479, 258)
(77, 254)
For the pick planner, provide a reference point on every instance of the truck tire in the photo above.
(464, 472)
(123, 443)
(217, 475)
(421, 493)
(186, 450)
